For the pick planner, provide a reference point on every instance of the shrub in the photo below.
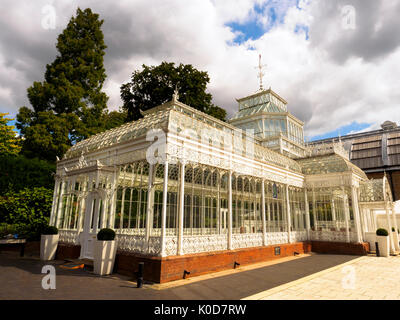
(27, 210)
(20, 173)
(49, 230)
(106, 234)
(382, 232)
(393, 229)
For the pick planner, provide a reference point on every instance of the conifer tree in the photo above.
(69, 105)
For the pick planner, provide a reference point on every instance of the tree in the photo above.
(155, 85)
(69, 104)
(9, 143)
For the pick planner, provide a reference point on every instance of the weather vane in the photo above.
(260, 71)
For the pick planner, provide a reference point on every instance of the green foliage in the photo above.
(68, 105)
(28, 210)
(382, 232)
(49, 230)
(217, 112)
(106, 234)
(393, 230)
(155, 85)
(9, 143)
(20, 172)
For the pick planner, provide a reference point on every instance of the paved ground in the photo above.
(366, 278)
(21, 278)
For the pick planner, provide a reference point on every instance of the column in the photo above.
(181, 207)
(314, 210)
(164, 210)
(288, 214)
(264, 229)
(392, 247)
(114, 188)
(307, 207)
(395, 234)
(54, 204)
(230, 210)
(60, 205)
(150, 197)
(346, 215)
(356, 213)
(333, 212)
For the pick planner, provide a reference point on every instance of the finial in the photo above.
(175, 96)
(260, 71)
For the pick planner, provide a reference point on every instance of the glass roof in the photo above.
(328, 164)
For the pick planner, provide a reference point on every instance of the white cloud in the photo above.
(331, 80)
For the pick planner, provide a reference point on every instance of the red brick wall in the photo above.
(160, 270)
(358, 249)
(67, 251)
(127, 263)
(172, 268)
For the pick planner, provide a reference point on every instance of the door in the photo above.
(90, 226)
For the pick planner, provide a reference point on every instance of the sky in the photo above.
(336, 62)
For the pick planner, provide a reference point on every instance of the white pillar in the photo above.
(150, 197)
(54, 204)
(230, 210)
(392, 247)
(356, 213)
(307, 207)
(181, 208)
(164, 210)
(60, 205)
(395, 234)
(264, 229)
(288, 214)
(346, 214)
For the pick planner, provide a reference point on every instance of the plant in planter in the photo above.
(382, 237)
(105, 249)
(48, 243)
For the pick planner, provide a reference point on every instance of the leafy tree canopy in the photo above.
(9, 143)
(155, 85)
(68, 105)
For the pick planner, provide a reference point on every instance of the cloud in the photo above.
(331, 76)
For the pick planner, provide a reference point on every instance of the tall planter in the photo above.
(382, 237)
(104, 252)
(104, 256)
(48, 246)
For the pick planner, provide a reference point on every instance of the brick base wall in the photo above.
(67, 251)
(357, 249)
(161, 270)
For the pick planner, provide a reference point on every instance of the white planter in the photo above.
(48, 246)
(104, 256)
(383, 244)
(396, 240)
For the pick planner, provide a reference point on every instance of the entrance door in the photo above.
(90, 226)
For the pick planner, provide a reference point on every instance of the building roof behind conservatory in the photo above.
(328, 163)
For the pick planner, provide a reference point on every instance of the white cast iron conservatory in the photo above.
(180, 182)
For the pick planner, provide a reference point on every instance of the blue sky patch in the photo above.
(342, 131)
(253, 29)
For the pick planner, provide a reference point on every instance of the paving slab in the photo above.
(364, 278)
(21, 278)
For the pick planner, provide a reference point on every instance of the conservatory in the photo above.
(179, 182)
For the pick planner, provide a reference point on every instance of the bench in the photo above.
(20, 242)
